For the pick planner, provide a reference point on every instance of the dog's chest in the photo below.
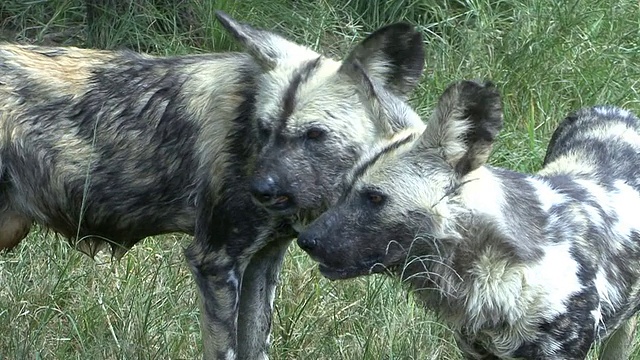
(505, 304)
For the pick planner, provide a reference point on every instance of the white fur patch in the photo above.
(289, 53)
(233, 279)
(597, 316)
(547, 196)
(626, 202)
(609, 295)
(616, 132)
(230, 355)
(612, 111)
(599, 194)
(552, 281)
(482, 193)
(569, 164)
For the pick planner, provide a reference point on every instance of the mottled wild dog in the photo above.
(531, 266)
(107, 148)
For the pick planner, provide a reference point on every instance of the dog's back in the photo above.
(593, 160)
(601, 143)
(109, 143)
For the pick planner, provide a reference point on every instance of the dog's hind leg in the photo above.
(256, 300)
(618, 345)
(14, 227)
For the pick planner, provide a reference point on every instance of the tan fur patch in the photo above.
(207, 102)
(67, 70)
(13, 228)
(571, 164)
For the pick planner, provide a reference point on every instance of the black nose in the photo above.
(266, 191)
(307, 243)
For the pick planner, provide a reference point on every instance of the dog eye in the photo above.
(314, 134)
(375, 198)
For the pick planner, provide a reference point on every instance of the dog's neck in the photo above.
(492, 235)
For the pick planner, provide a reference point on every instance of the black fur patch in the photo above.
(289, 99)
(362, 167)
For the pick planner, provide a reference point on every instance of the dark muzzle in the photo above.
(266, 191)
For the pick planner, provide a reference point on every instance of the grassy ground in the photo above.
(547, 57)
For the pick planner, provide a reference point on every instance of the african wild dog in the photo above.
(107, 148)
(520, 266)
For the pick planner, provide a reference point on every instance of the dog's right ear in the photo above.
(392, 56)
(266, 47)
(387, 111)
(464, 124)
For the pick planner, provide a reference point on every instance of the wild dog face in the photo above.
(310, 124)
(397, 198)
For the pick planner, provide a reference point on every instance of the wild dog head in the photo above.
(310, 123)
(400, 198)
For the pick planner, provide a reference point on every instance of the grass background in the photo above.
(548, 58)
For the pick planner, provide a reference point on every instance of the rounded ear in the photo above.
(266, 47)
(464, 124)
(388, 112)
(392, 56)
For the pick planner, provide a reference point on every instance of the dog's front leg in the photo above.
(471, 350)
(218, 280)
(256, 301)
(227, 235)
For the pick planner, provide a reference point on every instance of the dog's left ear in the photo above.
(266, 47)
(464, 124)
(392, 56)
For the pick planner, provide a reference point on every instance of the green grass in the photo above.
(548, 58)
